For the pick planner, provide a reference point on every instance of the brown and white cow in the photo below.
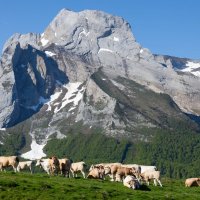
(54, 165)
(111, 170)
(44, 164)
(97, 172)
(104, 165)
(65, 165)
(122, 172)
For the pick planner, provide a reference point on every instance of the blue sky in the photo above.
(170, 27)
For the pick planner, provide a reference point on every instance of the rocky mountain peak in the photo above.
(86, 72)
(87, 67)
(91, 31)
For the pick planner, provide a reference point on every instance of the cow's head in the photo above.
(91, 167)
(55, 160)
(133, 184)
(133, 170)
(107, 170)
(38, 163)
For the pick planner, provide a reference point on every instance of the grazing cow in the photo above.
(54, 165)
(131, 182)
(97, 173)
(44, 163)
(6, 161)
(65, 165)
(25, 164)
(136, 166)
(192, 182)
(78, 167)
(104, 165)
(122, 172)
(151, 175)
(147, 168)
(111, 169)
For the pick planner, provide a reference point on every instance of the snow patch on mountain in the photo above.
(44, 41)
(36, 151)
(116, 39)
(141, 50)
(103, 49)
(49, 53)
(73, 95)
(52, 100)
(193, 68)
(84, 33)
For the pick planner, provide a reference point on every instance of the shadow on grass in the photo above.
(144, 188)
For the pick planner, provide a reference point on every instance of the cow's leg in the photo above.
(31, 170)
(159, 182)
(15, 169)
(72, 173)
(48, 171)
(118, 178)
(18, 169)
(83, 174)
(67, 173)
(112, 177)
(155, 182)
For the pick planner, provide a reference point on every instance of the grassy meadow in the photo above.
(41, 186)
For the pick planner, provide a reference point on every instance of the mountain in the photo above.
(86, 74)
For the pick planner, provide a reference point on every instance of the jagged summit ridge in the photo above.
(91, 31)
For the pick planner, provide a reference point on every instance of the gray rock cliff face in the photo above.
(52, 73)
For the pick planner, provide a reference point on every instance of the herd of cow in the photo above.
(132, 175)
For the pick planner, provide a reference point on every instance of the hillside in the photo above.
(40, 186)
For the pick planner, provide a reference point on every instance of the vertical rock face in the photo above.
(8, 92)
(57, 74)
(28, 77)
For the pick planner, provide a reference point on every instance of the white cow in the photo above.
(78, 167)
(44, 163)
(25, 164)
(151, 175)
(131, 182)
(145, 168)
